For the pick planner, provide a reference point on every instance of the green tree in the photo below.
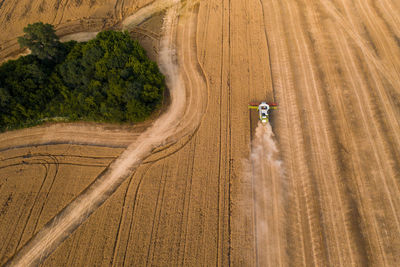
(108, 79)
(41, 39)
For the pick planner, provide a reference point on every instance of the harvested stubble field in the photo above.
(333, 67)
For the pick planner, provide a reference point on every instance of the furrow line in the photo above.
(387, 19)
(187, 203)
(387, 72)
(313, 101)
(315, 26)
(140, 180)
(391, 12)
(56, 163)
(318, 239)
(351, 68)
(120, 221)
(220, 242)
(47, 167)
(293, 159)
(355, 161)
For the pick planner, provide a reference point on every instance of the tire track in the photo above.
(57, 165)
(148, 33)
(391, 12)
(49, 163)
(356, 162)
(157, 214)
(5, 16)
(118, 9)
(277, 176)
(383, 99)
(105, 184)
(308, 184)
(388, 21)
(186, 204)
(329, 77)
(392, 76)
(221, 174)
(9, 237)
(317, 143)
(337, 195)
(121, 218)
(29, 155)
(229, 148)
(63, 11)
(47, 167)
(290, 120)
(190, 54)
(267, 181)
(134, 208)
(60, 143)
(375, 133)
(354, 70)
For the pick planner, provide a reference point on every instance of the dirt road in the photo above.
(333, 67)
(168, 125)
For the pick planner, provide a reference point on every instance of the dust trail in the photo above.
(269, 197)
(61, 226)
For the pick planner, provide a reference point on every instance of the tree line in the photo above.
(108, 79)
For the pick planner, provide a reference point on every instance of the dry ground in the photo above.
(333, 67)
(37, 182)
(68, 16)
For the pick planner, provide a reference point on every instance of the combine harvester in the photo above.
(263, 109)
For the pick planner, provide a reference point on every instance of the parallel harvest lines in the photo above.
(292, 143)
(356, 84)
(318, 135)
(330, 86)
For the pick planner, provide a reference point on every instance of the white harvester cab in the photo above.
(263, 109)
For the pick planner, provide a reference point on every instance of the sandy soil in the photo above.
(333, 200)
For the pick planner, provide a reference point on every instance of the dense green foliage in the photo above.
(108, 79)
(41, 39)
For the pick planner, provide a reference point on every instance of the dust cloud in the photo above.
(267, 175)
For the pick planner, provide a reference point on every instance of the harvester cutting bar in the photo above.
(254, 104)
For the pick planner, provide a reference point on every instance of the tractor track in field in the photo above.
(372, 145)
(353, 253)
(356, 163)
(307, 190)
(333, 67)
(220, 151)
(278, 46)
(47, 167)
(315, 99)
(188, 117)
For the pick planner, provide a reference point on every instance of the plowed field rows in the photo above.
(329, 195)
(37, 182)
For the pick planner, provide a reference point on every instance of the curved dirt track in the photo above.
(168, 125)
(333, 67)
